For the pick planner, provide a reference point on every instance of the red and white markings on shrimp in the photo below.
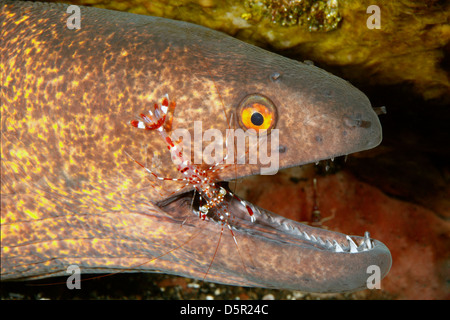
(213, 197)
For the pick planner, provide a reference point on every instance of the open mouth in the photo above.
(283, 253)
(273, 226)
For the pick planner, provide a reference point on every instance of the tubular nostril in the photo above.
(275, 77)
(380, 110)
(355, 121)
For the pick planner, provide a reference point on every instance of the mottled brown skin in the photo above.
(70, 195)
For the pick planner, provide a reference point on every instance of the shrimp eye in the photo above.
(257, 112)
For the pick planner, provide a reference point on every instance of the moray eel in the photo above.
(71, 196)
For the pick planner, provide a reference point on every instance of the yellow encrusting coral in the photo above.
(314, 15)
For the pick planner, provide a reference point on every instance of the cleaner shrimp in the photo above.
(213, 197)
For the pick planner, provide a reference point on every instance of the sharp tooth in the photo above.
(362, 246)
(306, 236)
(367, 241)
(352, 245)
(337, 247)
(288, 226)
(328, 243)
(313, 238)
(320, 241)
(295, 230)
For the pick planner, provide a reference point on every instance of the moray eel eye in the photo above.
(257, 119)
(257, 112)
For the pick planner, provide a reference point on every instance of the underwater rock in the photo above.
(313, 15)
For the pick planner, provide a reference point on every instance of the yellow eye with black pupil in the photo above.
(257, 119)
(257, 112)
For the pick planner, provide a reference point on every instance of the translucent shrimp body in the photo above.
(202, 181)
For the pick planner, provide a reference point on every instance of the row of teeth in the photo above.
(366, 243)
(350, 246)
